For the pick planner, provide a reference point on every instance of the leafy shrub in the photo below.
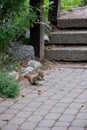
(8, 86)
(15, 16)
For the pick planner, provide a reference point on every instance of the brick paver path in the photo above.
(59, 103)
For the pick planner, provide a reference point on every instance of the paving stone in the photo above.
(28, 126)
(59, 128)
(35, 118)
(17, 106)
(46, 107)
(35, 104)
(56, 97)
(71, 111)
(75, 105)
(40, 112)
(32, 96)
(46, 123)
(6, 103)
(16, 121)
(79, 100)
(29, 109)
(85, 92)
(11, 111)
(82, 86)
(52, 116)
(41, 99)
(79, 123)
(1, 99)
(2, 109)
(62, 124)
(23, 114)
(66, 100)
(10, 127)
(24, 101)
(58, 110)
(42, 128)
(2, 123)
(76, 128)
(48, 94)
(76, 91)
(82, 96)
(66, 118)
(84, 109)
(82, 116)
(51, 102)
(6, 116)
(70, 95)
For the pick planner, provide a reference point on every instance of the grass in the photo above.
(67, 4)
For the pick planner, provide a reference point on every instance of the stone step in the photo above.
(73, 18)
(66, 53)
(69, 37)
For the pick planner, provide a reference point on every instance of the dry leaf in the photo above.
(23, 95)
(5, 120)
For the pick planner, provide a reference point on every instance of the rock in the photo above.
(22, 35)
(34, 64)
(47, 28)
(46, 38)
(22, 52)
(26, 70)
(14, 74)
(27, 33)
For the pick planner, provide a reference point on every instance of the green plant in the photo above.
(8, 86)
(15, 16)
(67, 4)
(47, 4)
(7, 63)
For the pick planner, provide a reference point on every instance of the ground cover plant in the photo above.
(15, 16)
(8, 86)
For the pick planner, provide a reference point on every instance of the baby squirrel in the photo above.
(34, 79)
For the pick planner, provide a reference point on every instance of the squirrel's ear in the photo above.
(25, 76)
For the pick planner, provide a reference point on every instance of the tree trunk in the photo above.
(36, 33)
(54, 11)
(85, 2)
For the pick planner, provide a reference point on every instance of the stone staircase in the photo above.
(69, 41)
